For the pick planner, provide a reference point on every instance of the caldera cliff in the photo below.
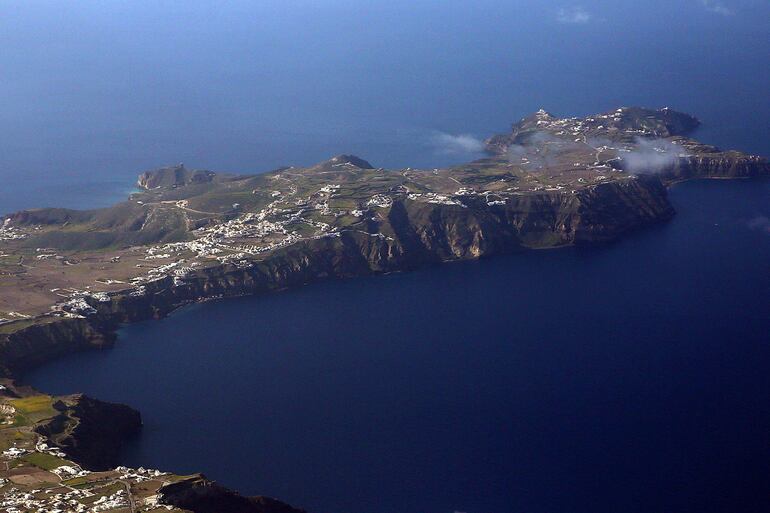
(194, 235)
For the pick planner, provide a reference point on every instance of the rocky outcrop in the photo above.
(174, 176)
(48, 338)
(89, 431)
(412, 234)
(402, 230)
(48, 216)
(200, 495)
(409, 235)
(717, 165)
(344, 160)
(634, 121)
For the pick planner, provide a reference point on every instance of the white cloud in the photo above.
(574, 15)
(455, 144)
(717, 7)
(761, 223)
(653, 156)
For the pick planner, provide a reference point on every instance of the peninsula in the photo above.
(69, 279)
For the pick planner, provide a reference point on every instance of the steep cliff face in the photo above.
(174, 176)
(410, 235)
(407, 235)
(597, 214)
(200, 495)
(89, 431)
(717, 165)
(47, 339)
(610, 210)
(553, 190)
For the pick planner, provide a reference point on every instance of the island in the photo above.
(70, 278)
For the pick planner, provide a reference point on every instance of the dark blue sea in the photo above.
(632, 377)
(92, 93)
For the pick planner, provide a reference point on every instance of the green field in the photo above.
(32, 409)
(45, 461)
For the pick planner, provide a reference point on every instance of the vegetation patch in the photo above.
(45, 461)
(34, 408)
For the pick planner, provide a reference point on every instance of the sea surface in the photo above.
(629, 377)
(93, 93)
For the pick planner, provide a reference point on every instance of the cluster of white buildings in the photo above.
(119, 499)
(432, 197)
(74, 499)
(14, 452)
(8, 232)
(270, 228)
(14, 500)
(380, 200)
(491, 198)
(139, 474)
(77, 306)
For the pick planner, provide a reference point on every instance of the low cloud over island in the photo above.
(449, 144)
(653, 156)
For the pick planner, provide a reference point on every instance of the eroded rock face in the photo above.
(408, 235)
(200, 495)
(193, 236)
(44, 340)
(90, 431)
(718, 165)
(413, 234)
(174, 176)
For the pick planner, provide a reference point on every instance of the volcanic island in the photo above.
(70, 278)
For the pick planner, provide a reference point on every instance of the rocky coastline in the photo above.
(424, 235)
(404, 235)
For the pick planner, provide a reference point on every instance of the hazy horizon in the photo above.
(94, 93)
